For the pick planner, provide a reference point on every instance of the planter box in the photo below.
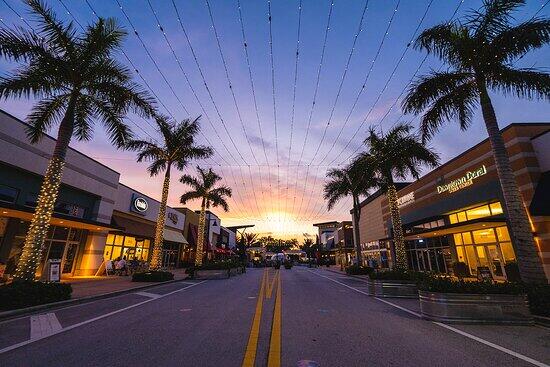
(212, 274)
(475, 308)
(392, 289)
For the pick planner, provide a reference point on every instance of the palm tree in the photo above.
(205, 189)
(77, 82)
(354, 180)
(396, 155)
(250, 239)
(480, 52)
(178, 146)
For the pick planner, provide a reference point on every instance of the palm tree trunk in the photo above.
(529, 263)
(200, 239)
(398, 239)
(356, 239)
(156, 260)
(31, 254)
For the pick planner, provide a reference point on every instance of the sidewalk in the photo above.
(94, 286)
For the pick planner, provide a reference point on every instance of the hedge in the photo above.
(449, 285)
(359, 270)
(152, 276)
(22, 294)
(399, 275)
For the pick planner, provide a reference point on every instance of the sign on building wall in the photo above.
(462, 182)
(173, 218)
(139, 204)
(405, 200)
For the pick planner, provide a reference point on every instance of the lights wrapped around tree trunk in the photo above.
(398, 240)
(156, 260)
(200, 239)
(40, 223)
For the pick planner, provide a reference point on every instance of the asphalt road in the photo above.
(261, 318)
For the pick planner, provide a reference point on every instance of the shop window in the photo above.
(61, 233)
(484, 236)
(130, 242)
(440, 223)
(472, 261)
(467, 238)
(119, 240)
(479, 212)
(8, 194)
(508, 252)
(110, 239)
(116, 252)
(502, 234)
(461, 256)
(496, 208)
(107, 252)
(458, 238)
(461, 216)
(453, 218)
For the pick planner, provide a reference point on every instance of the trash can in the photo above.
(54, 270)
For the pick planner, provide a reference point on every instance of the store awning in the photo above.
(174, 236)
(458, 227)
(134, 227)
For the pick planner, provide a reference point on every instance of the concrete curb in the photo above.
(6, 315)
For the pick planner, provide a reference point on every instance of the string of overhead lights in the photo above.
(410, 80)
(180, 66)
(208, 89)
(343, 78)
(367, 76)
(273, 95)
(310, 116)
(138, 36)
(160, 101)
(293, 109)
(232, 91)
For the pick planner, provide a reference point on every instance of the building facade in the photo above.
(96, 218)
(454, 218)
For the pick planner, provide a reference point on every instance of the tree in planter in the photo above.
(480, 53)
(77, 82)
(205, 189)
(397, 154)
(355, 180)
(178, 146)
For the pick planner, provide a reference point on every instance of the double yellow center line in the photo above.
(266, 290)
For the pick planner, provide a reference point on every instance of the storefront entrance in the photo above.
(486, 248)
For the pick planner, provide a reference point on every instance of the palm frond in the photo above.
(460, 103)
(493, 17)
(189, 196)
(516, 41)
(44, 114)
(521, 83)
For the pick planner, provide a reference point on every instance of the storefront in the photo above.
(82, 212)
(454, 220)
(135, 214)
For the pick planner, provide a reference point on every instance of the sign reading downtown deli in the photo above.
(139, 204)
(462, 182)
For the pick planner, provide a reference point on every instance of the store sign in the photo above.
(173, 218)
(139, 204)
(462, 182)
(405, 199)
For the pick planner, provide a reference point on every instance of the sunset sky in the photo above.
(276, 187)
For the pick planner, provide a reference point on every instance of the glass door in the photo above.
(497, 264)
(69, 258)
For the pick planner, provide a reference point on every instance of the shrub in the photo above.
(461, 270)
(449, 285)
(359, 270)
(26, 294)
(400, 275)
(152, 276)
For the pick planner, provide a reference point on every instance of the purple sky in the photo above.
(281, 194)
